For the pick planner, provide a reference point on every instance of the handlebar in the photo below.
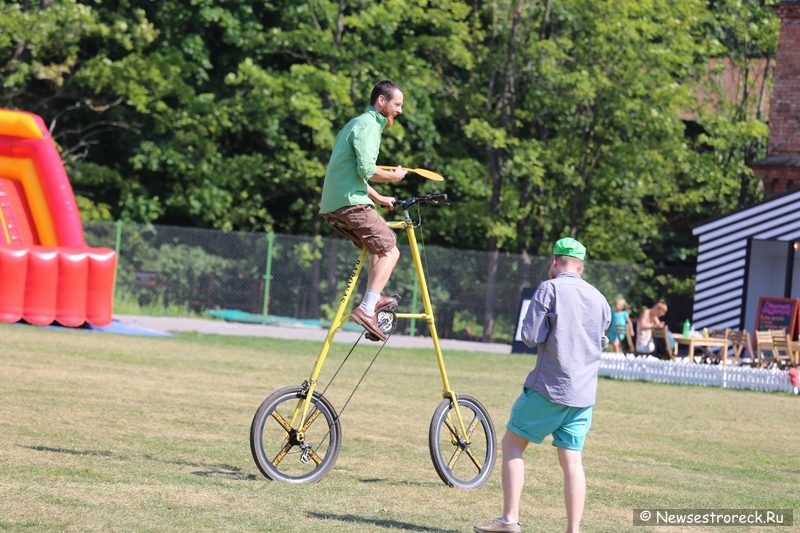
(432, 199)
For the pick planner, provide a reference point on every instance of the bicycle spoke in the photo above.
(282, 421)
(282, 454)
(472, 427)
(456, 454)
(477, 462)
(314, 456)
(313, 416)
(453, 431)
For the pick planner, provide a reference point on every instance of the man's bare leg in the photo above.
(380, 269)
(574, 486)
(513, 475)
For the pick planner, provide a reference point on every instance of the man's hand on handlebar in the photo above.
(386, 201)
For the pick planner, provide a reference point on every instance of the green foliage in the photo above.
(713, 177)
(127, 304)
(91, 211)
(547, 118)
(161, 270)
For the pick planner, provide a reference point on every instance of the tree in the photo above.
(547, 118)
(576, 105)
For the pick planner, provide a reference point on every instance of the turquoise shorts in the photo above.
(534, 417)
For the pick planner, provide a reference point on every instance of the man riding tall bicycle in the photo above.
(348, 200)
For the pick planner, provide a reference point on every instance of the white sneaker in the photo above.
(498, 526)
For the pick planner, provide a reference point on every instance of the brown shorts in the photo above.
(364, 226)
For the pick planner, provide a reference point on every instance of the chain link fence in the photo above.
(266, 277)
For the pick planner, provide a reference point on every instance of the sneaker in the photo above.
(497, 525)
(369, 323)
(387, 303)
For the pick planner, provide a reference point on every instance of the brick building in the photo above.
(780, 170)
(755, 251)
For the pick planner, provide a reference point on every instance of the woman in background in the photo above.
(649, 319)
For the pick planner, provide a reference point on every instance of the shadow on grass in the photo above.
(386, 481)
(70, 452)
(378, 522)
(217, 470)
(206, 470)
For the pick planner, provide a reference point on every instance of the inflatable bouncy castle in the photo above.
(47, 273)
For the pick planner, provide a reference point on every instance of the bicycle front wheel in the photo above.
(295, 455)
(463, 461)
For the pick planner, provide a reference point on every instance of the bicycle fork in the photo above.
(427, 315)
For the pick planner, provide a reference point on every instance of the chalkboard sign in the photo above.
(524, 301)
(777, 313)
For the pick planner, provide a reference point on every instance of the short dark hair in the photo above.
(385, 88)
(568, 259)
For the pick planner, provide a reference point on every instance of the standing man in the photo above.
(348, 200)
(566, 320)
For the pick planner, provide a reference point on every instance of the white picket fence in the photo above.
(628, 367)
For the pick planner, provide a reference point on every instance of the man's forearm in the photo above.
(386, 176)
(385, 201)
(372, 193)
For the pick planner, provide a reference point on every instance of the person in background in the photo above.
(794, 378)
(566, 321)
(620, 319)
(649, 319)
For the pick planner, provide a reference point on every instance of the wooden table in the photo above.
(697, 341)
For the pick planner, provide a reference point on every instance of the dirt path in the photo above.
(304, 333)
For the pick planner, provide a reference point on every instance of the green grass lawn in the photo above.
(100, 432)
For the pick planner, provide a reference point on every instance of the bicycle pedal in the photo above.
(387, 321)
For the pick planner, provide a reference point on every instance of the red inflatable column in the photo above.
(100, 288)
(40, 286)
(13, 270)
(73, 271)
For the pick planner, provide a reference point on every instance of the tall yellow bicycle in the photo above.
(296, 434)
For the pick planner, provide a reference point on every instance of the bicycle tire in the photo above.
(289, 461)
(476, 455)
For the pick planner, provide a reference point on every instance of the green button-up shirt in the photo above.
(352, 162)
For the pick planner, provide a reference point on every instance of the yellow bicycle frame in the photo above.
(339, 319)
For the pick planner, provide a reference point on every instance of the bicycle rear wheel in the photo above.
(277, 449)
(464, 461)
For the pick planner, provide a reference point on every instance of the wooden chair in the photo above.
(740, 340)
(627, 345)
(710, 355)
(631, 339)
(720, 333)
(662, 332)
(781, 348)
(763, 345)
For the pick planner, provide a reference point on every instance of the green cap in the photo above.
(571, 247)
